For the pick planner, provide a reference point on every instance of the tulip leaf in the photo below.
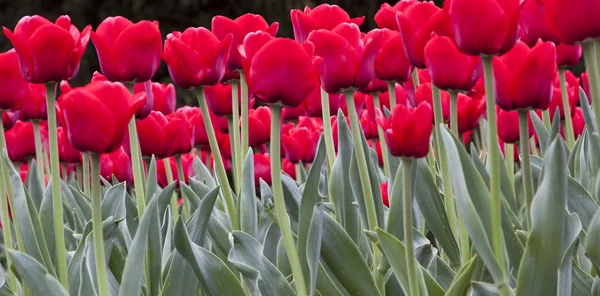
(113, 203)
(463, 279)
(582, 282)
(37, 278)
(203, 172)
(313, 246)
(541, 131)
(164, 199)
(592, 241)
(151, 181)
(198, 187)
(484, 289)
(34, 185)
(588, 114)
(189, 196)
(581, 202)
(569, 242)
(247, 203)
(214, 276)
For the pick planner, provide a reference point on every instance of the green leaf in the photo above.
(542, 259)
(34, 185)
(164, 199)
(582, 283)
(37, 278)
(484, 289)
(541, 131)
(461, 282)
(588, 114)
(204, 173)
(189, 196)
(261, 276)
(292, 197)
(113, 203)
(151, 181)
(581, 202)
(313, 246)
(247, 207)
(214, 276)
(571, 232)
(592, 241)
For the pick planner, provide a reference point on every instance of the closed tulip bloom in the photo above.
(322, 17)
(9, 119)
(483, 26)
(425, 94)
(368, 123)
(151, 135)
(224, 142)
(239, 28)
(186, 162)
(386, 15)
(178, 133)
(344, 60)
(194, 115)
(557, 103)
(532, 26)
(66, 152)
(218, 98)
(573, 83)
(300, 144)
(391, 64)
(20, 145)
(262, 168)
(401, 97)
(128, 51)
(288, 168)
(48, 51)
(416, 24)
(384, 194)
(117, 164)
(508, 126)
(408, 130)
(449, 68)
(164, 96)
(524, 77)
(314, 107)
(568, 55)
(572, 21)
(196, 57)
(294, 113)
(469, 111)
(259, 126)
(35, 105)
(578, 122)
(95, 116)
(14, 89)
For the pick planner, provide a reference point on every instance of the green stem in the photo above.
(57, 205)
(169, 173)
(39, 155)
(382, 144)
(63, 170)
(181, 177)
(234, 132)
(407, 196)
(509, 156)
(79, 175)
(86, 173)
(454, 113)
(244, 112)
(101, 273)
(546, 119)
(415, 78)
(299, 173)
(327, 130)
(568, 127)
(525, 161)
(7, 235)
(392, 93)
(234, 156)
(589, 55)
(282, 216)
(494, 159)
(220, 167)
(138, 175)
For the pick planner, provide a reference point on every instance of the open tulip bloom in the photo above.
(450, 151)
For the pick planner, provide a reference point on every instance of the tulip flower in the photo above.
(196, 57)
(164, 96)
(401, 97)
(508, 126)
(14, 89)
(532, 26)
(425, 94)
(218, 98)
(557, 103)
(559, 17)
(300, 144)
(408, 130)
(483, 26)
(262, 169)
(368, 123)
(117, 164)
(322, 17)
(239, 28)
(386, 15)
(9, 119)
(187, 161)
(259, 126)
(151, 135)
(288, 168)
(469, 112)
(95, 116)
(224, 143)
(578, 122)
(66, 152)
(35, 105)
(194, 115)
(568, 55)
(48, 51)
(449, 68)
(390, 63)
(384, 194)
(178, 133)
(128, 51)
(19, 142)
(314, 107)
(294, 113)
(524, 77)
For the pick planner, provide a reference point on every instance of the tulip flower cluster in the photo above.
(333, 160)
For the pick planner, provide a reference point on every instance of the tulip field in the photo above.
(453, 150)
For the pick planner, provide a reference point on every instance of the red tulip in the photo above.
(178, 133)
(151, 136)
(288, 168)
(294, 113)
(279, 70)
(262, 169)
(19, 142)
(578, 122)
(300, 144)
(384, 194)
(508, 126)
(469, 111)
(390, 63)
(118, 164)
(524, 77)
(515, 151)
(188, 170)
(572, 21)
(449, 68)
(239, 28)
(66, 152)
(408, 130)
(35, 105)
(314, 107)
(164, 96)
(196, 57)
(9, 119)
(194, 115)
(343, 59)
(218, 98)
(128, 51)
(568, 55)
(95, 116)
(401, 97)
(359, 103)
(324, 16)
(532, 26)
(386, 15)
(368, 123)
(425, 94)
(14, 89)
(557, 103)
(483, 26)
(572, 83)
(48, 52)
(224, 142)
(259, 126)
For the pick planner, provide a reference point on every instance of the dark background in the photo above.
(173, 15)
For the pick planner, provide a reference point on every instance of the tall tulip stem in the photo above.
(136, 163)
(525, 161)
(220, 167)
(169, 173)
(234, 133)
(39, 155)
(392, 93)
(86, 173)
(494, 159)
(280, 211)
(57, 205)
(454, 113)
(327, 130)
(101, 273)
(181, 176)
(407, 208)
(382, 144)
(244, 113)
(568, 127)
(546, 119)
(7, 235)
(589, 55)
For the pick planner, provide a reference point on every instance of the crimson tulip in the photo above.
(262, 168)
(386, 15)
(425, 94)
(572, 21)
(218, 98)
(557, 103)
(449, 68)
(314, 107)
(483, 26)
(66, 152)
(383, 187)
(35, 105)
(196, 57)
(117, 164)
(368, 123)
(322, 17)
(343, 59)
(14, 89)
(289, 168)
(508, 126)
(164, 96)
(239, 28)
(572, 83)
(48, 51)
(151, 136)
(95, 116)
(224, 142)
(259, 126)
(19, 142)
(300, 144)
(408, 130)
(128, 51)
(524, 77)
(186, 162)
(578, 122)
(178, 133)
(469, 111)
(9, 119)
(294, 113)
(568, 55)
(532, 26)
(390, 63)
(401, 97)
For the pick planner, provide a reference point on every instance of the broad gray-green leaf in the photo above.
(164, 198)
(484, 289)
(313, 246)
(151, 181)
(37, 278)
(202, 170)
(247, 204)
(581, 202)
(588, 114)
(592, 241)
(34, 185)
(113, 203)
(541, 131)
(542, 259)
(461, 283)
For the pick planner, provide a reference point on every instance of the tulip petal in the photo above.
(531, 83)
(139, 48)
(26, 62)
(340, 61)
(302, 25)
(51, 47)
(366, 67)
